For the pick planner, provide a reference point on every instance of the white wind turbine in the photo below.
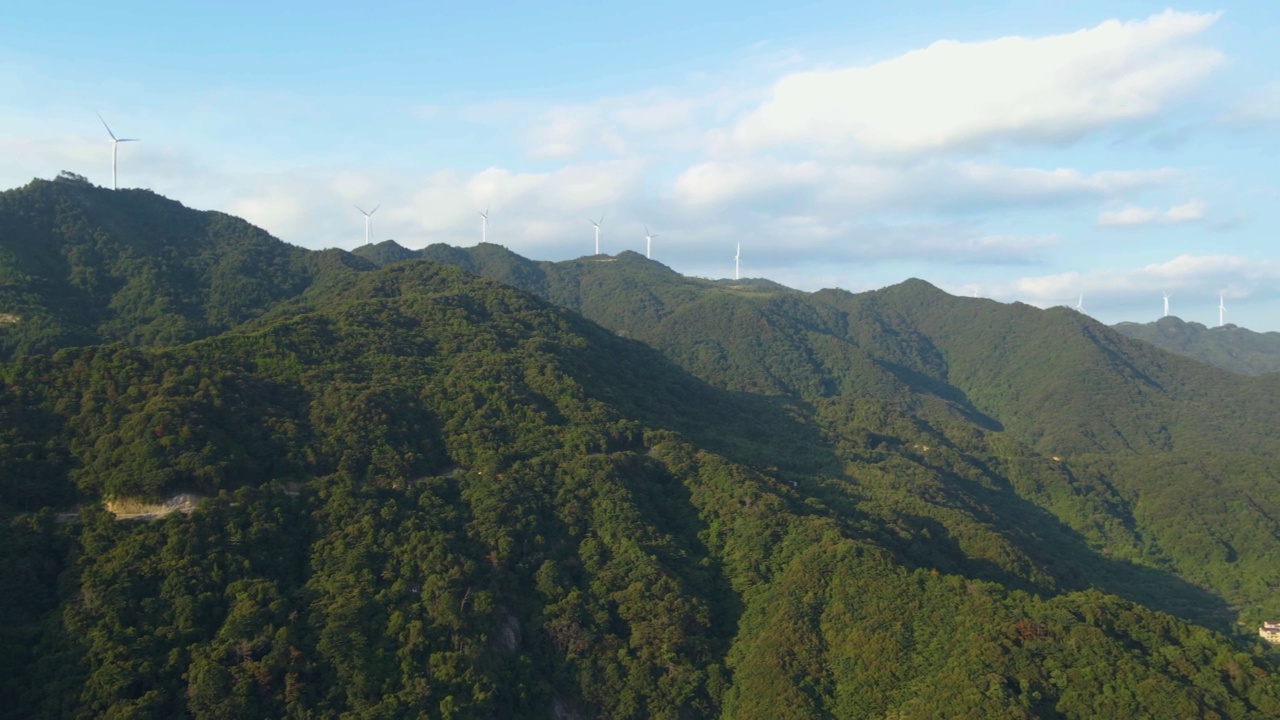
(484, 226)
(368, 220)
(737, 263)
(1166, 304)
(597, 225)
(115, 144)
(648, 240)
(1222, 312)
(1080, 303)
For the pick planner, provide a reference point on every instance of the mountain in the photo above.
(81, 264)
(1163, 461)
(1229, 347)
(385, 252)
(638, 495)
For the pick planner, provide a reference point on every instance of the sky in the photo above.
(1044, 152)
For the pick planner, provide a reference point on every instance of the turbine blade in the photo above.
(105, 125)
(129, 140)
(362, 212)
(375, 208)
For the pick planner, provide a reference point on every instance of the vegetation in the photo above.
(81, 265)
(431, 494)
(1230, 347)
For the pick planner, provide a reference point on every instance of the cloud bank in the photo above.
(966, 95)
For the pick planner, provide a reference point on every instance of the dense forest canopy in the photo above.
(599, 489)
(1229, 347)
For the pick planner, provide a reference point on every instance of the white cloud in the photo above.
(528, 210)
(935, 186)
(1185, 277)
(965, 94)
(566, 131)
(277, 206)
(1128, 216)
(1186, 212)
(944, 243)
(1192, 211)
(655, 120)
(809, 255)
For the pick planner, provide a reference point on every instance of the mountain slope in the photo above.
(1068, 416)
(431, 493)
(81, 264)
(1230, 348)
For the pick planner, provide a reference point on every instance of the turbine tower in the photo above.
(597, 224)
(1222, 312)
(1166, 304)
(484, 226)
(648, 240)
(368, 220)
(737, 263)
(115, 144)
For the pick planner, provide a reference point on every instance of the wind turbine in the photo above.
(1222, 312)
(597, 224)
(648, 240)
(1080, 303)
(1166, 304)
(737, 263)
(368, 220)
(115, 143)
(484, 226)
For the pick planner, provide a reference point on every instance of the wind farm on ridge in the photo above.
(596, 225)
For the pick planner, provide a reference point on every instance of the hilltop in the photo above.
(81, 264)
(1230, 347)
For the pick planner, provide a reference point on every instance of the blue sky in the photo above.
(1029, 151)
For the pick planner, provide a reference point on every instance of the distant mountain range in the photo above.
(1230, 347)
(457, 482)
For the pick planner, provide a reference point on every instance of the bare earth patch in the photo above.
(137, 510)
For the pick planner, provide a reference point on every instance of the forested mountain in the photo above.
(1230, 347)
(1166, 462)
(431, 494)
(80, 264)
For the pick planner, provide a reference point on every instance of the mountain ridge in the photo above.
(599, 488)
(1230, 347)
